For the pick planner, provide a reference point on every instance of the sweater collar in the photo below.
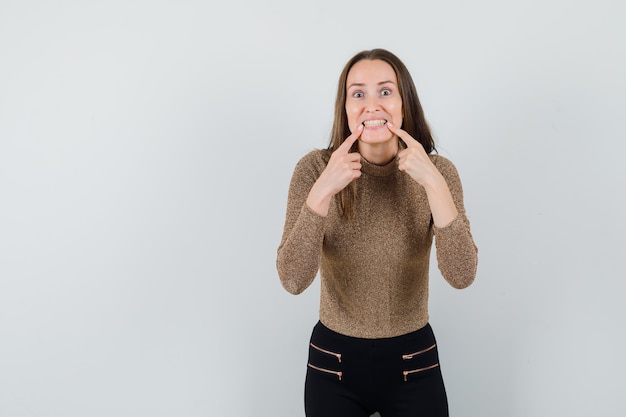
(379, 170)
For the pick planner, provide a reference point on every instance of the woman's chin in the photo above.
(374, 138)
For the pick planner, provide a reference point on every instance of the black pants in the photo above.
(353, 377)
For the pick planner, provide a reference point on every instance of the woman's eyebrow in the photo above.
(362, 84)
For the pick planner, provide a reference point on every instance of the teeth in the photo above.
(370, 123)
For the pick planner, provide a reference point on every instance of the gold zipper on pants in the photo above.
(413, 371)
(328, 371)
(328, 352)
(411, 355)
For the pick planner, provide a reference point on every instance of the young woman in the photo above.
(364, 213)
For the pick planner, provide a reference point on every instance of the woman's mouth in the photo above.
(374, 123)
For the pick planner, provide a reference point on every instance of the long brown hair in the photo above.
(414, 122)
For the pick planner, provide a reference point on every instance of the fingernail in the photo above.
(389, 124)
(360, 127)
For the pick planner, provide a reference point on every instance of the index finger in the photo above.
(402, 134)
(349, 141)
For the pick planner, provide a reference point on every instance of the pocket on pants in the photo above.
(419, 360)
(325, 361)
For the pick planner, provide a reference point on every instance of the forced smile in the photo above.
(374, 123)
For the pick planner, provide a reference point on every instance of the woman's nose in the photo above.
(372, 104)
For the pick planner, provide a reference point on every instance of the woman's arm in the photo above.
(457, 255)
(313, 185)
(300, 248)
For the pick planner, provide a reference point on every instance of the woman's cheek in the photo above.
(352, 119)
(352, 125)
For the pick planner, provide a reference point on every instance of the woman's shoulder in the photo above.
(445, 166)
(441, 162)
(314, 160)
(448, 170)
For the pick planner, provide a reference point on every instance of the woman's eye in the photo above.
(357, 94)
(385, 92)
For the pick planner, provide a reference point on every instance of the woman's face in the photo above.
(373, 99)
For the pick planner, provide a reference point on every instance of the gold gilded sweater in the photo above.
(373, 268)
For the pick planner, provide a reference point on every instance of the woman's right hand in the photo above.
(343, 168)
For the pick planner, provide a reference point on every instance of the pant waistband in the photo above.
(321, 332)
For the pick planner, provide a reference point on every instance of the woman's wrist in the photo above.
(435, 183)
(319, 201)
(440, 199)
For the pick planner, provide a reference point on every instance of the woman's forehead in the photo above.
(371, 71)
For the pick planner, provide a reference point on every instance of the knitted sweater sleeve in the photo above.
(300, 249)
(457, 255)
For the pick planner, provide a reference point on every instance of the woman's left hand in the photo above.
(414, 160)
